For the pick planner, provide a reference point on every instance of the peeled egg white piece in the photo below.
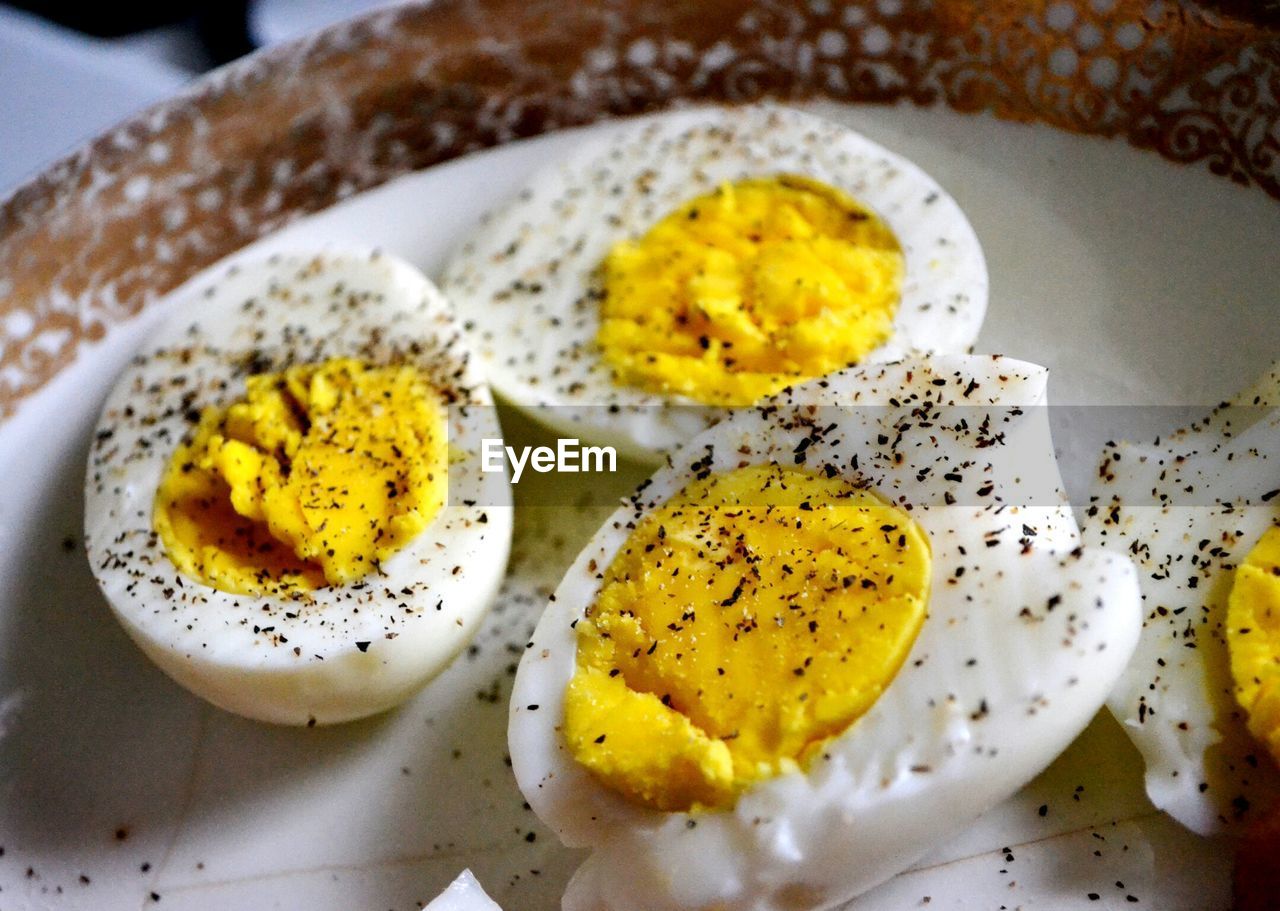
(1025, 635)
(463, 894)
(341, 652)
(524, 283)
(1188, 508)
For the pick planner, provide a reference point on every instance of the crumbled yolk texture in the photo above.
(319, 473)
(1253, 638)
(741, 292)
(756, 614)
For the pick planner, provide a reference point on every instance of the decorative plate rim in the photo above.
(285, 132)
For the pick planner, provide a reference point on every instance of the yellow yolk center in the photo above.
(752, 617)
(319, 473)
(1253, 638)
(746, 290)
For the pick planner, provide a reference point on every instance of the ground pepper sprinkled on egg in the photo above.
(533, 285)
(1194, 509)
(756, 614)
(750, 288)
(319, 405)
(319, 473)
(1014, 659)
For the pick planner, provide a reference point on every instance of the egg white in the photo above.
(463, 894)
(523, 284)
(1188, 508)
(339, 652)
(1025, 634)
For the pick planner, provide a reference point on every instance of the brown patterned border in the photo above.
(288, 132)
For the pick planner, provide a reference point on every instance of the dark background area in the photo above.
(221, 27)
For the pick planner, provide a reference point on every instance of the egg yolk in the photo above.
(317, 475)
(756, 614)
(754, 287)
(1253, 638)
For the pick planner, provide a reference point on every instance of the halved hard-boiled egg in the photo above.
(711, 257)
(284, 504)
(835, 629)
(1197, 510)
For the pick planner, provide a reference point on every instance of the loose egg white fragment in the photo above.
(1024, 636)
(1188, 508)
(336, 652)
(528, 285)
(463, 894)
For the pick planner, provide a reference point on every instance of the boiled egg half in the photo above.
(710, 258)
(284, 504)
(834, 630)
(1198, 512)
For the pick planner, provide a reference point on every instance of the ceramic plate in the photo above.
(1135, 280)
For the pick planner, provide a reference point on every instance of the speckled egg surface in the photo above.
(1188, 508)
(528, 287)
(339, 651)
(1024, 635)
